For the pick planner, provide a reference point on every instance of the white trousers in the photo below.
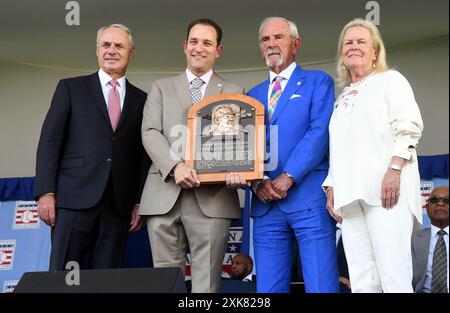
(377, 244)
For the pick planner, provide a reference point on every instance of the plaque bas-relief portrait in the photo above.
(225, 120)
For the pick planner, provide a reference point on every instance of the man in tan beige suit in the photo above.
(181, 213)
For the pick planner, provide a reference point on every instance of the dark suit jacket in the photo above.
(78, 149)
(420, 247)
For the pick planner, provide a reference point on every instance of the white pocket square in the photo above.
(295, 96)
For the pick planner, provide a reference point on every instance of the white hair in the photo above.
(122, 27)
(293, 32)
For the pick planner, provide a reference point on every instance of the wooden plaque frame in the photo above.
(194, 134)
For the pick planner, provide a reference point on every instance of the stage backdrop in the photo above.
(25, 240)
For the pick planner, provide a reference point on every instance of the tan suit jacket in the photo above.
(163, 129)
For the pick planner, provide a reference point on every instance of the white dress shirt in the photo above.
(106, 87)
(248, 278)
(433, 240)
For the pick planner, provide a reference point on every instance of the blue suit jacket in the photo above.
(302, 116)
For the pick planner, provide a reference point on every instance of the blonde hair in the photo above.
(344, 77)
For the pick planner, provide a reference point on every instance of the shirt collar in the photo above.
(434, 230)
(205, 77)
(286, 73)
(105, 79)
(248, 277)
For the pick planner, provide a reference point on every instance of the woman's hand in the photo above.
(330, 205)
(390, 188)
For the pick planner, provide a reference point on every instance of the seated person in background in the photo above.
(242, 267)
(429, 247)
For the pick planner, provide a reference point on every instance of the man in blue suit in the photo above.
(290, 204)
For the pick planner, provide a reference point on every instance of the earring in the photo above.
(343, 67)
(374, 65)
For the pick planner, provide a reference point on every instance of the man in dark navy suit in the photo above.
(90, 163)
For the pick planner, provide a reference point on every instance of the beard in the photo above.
(274, 63)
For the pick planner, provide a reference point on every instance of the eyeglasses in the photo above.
(436, 199)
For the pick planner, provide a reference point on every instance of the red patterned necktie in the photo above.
(114, 104)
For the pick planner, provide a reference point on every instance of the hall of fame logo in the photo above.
(26, 215)
(7, 249)
(233, 248)
(426, 187)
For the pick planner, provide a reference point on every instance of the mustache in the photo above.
(272, 51)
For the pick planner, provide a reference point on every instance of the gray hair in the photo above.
(344, 77)
(291, 25)
(122, 27)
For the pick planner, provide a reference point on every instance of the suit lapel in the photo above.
(424, 244)
(181, 86)
(295, 82)
(262, 97)
(215, 86)
(93, 83)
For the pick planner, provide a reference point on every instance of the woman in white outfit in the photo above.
(373, 183)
